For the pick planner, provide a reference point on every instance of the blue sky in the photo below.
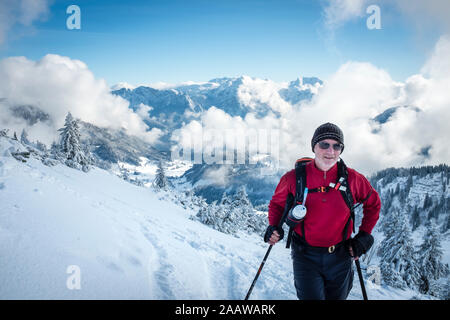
(175, 41)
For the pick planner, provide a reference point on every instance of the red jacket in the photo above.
(327, 212)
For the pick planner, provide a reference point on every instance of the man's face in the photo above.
(326, 158)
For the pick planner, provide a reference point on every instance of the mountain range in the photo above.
(170, 107)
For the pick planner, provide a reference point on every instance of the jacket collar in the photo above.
(331, 171)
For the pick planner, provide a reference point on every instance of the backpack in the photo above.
(341, 184)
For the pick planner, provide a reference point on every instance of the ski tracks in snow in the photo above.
(162, 272)
(178, 263)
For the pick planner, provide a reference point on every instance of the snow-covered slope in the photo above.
(127, 242)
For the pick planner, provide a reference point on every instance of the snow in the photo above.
(123, 85)
(127, 242)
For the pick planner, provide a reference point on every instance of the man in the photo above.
(322, 247)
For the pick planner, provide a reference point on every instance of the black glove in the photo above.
(270, 230)
(361, 243)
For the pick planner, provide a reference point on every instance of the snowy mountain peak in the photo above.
(122, 85)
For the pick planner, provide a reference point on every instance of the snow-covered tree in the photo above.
(24, 137)
(440, 288)
(160, 181)
(240, 199)
(247, 217)
(399, 267)
(429, 256)
(409, 183)
(4, 132)
(230, 221)
(218, 217)
(41, 146)
(415, 219)
(446, 224)
(70, 144)
(427, 202)
(234, 213)
(226, 199)
(207, 215)
(124, 173)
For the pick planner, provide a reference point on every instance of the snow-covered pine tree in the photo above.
(415, 218)
(409, 183)
(70, 144)
(55, 150)
(124, 173)
(24, 137)
(429, 256)
(160, 181)
(197, 200)
(240, 199)
(397, 189)
(69, 137)
(226, 199)
(88, 154)
(387, 214)
(241, 209)
(232, 214)
(206, 215)
(446, 224)
(427, 201)
(218, 217)
(229, 219)
(249, 220)
(4, 132)
(398, 261)
(41, 146)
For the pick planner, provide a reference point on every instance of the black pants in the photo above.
(320, 275)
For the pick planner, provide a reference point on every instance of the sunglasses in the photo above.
(325, 145)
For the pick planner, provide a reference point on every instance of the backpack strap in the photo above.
(344, 187)
(300, 185)
(300, 179)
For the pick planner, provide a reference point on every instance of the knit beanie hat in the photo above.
(327, 131)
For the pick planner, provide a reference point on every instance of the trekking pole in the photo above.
(361, 280)
(289, 200)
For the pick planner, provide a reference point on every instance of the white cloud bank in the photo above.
(354, 95)
(20, 12)
(57, 85)
(351, 97)
(418, 13)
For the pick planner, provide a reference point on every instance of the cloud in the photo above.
(57, 85)
(21, 12)
(337, 12)
(438, 65)
(253, 92)
(423, 15)
(351, 98)
(216, 176)
(359, 91)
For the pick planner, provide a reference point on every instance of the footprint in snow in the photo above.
(164, 273)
